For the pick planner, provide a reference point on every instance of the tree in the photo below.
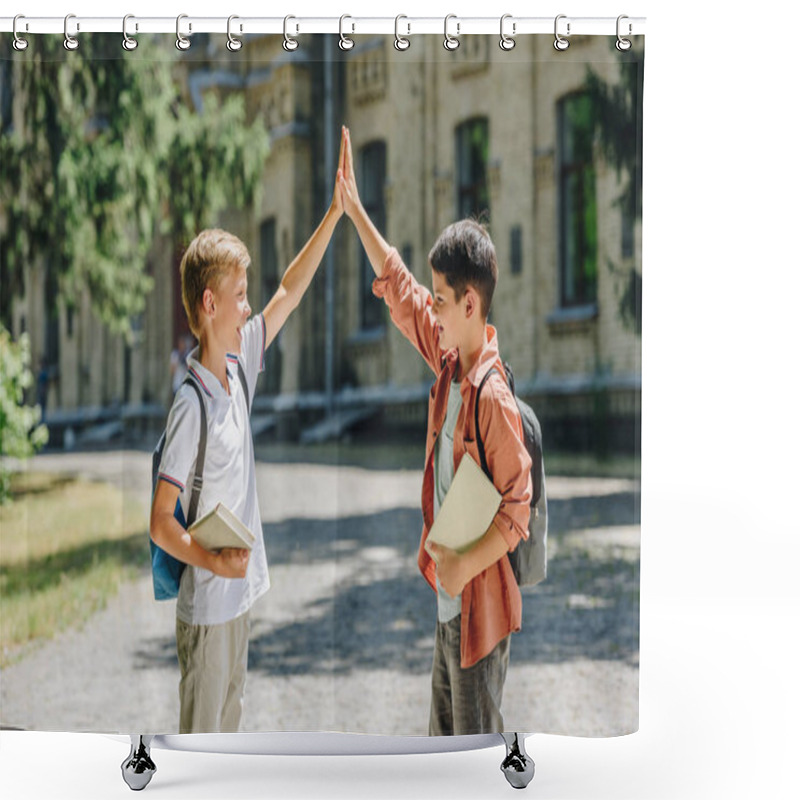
(100, 155)
(618, 126)
(20, 432)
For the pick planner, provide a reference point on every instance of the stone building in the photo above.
(437, 136)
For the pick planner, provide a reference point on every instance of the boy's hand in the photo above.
(449, 569)
(337, 204)
(346, 179)
(231, 562)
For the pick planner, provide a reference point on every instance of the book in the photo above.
(467, 510)
(220, 528)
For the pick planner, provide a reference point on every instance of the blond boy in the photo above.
(218, 589)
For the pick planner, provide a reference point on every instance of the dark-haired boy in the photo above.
(479, 602)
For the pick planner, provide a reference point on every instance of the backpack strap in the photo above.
(510, 378)
(481, 450)
(197, 483)
(244, 383)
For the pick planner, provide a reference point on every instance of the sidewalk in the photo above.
(343, 640)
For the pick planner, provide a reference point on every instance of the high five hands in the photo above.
(345, 176)
(375, 245)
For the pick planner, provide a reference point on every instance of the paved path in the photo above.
(343, 640)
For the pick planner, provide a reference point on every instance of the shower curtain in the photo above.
(111, 161)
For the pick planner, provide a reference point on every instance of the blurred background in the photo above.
(700, 342)
(111, 165)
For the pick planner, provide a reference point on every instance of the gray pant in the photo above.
(213, 662)
(465, 701)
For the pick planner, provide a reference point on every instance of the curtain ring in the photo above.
(289, 44)
(623, 44)
(507, 42)
(560, 43)
(182, 43)
(70, 42)
(234, 44)
(20, 44)
(127, 42)
(451, 42)
(345, 43)
(401, 42)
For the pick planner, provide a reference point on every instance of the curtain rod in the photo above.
(452, 25)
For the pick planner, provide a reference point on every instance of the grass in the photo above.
(66, 545)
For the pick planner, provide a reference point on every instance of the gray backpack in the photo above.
(529, 558)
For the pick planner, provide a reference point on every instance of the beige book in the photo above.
(221, 528)
(467, 510)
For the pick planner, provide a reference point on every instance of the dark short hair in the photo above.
(464, 254)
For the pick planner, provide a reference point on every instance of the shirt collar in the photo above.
(485, 361)
(209, 382)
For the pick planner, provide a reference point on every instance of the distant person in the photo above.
(218, 589)
(42, 388)
(478, 601)
(177, 361)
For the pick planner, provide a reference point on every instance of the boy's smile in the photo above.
(459, 322)
(232, 310)
(448, 313)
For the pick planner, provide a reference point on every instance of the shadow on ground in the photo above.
(382, 612)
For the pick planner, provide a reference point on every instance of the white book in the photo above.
(468, 508)
(220, 528)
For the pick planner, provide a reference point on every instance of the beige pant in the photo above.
(213, 662)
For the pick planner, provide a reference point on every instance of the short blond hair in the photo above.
(212, 255)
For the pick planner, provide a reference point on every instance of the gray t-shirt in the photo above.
(448, 607)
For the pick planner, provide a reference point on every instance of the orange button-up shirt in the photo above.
(491, 604)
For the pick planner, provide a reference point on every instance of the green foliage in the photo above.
(618, 124)
(105, 155)
(20, 432)
(617, 109)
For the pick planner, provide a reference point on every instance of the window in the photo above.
(472, 157)
(269, 260)
(6, 96)
(627, 243)
(516, 250)
(577, 219)
(372, 179)
(270, 280)
(407, 254)
(52, 333)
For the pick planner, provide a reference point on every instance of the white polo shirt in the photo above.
(229, 476)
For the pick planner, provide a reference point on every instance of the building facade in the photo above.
(437, 136)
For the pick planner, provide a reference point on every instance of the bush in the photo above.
(21, 433)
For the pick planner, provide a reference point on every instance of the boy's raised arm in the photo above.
(375, 245)
(299, 273)
(409, 302)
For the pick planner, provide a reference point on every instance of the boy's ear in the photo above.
(209, 306)
(472, 305)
